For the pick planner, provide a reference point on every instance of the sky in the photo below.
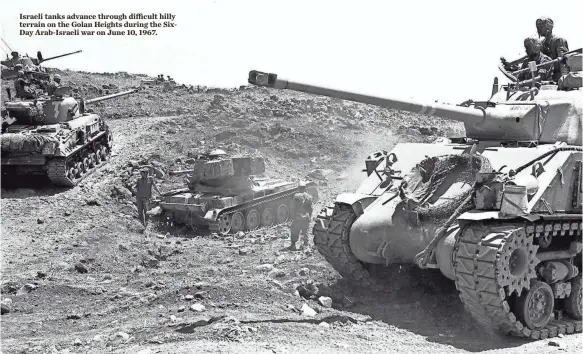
(432, 50)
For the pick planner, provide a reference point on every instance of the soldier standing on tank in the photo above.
(144, 194)
(302, 213)
(553, 46)
(533, 47)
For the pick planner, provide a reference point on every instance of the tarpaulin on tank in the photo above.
(432, 177)
(25, 142)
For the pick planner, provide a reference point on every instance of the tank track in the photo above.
(215, 226)
(57, 168)
(483, 288)
(331, 233)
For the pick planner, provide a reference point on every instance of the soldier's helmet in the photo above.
(14, 54)
(20, 73)
(217, 153)
(544, 21)
(18, 66)
(533, 42)
(57, 77)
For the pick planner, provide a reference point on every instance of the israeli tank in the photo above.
(54, 136)
(228, 194)
(498, 212)
(28, 63)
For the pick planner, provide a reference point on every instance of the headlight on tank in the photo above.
(49, 148)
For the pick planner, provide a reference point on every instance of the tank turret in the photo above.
(57, 108)
(539, 115)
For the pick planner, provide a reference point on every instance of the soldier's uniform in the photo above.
(553, 46)
(54, 84)
(22, 87)
(302, 213)
(533, 50)
(144, 194)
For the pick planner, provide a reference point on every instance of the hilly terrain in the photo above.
(80, 274)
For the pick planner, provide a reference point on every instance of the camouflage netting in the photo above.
(12, 142)
(432, 177)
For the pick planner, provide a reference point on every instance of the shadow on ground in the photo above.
(23, 187)
(422, 302)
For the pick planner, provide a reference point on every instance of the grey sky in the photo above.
(445, 50)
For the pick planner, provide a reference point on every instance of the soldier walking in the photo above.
(302, 214)
(144, 194)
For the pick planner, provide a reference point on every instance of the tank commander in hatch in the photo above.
(553, 46)
(144, 194)
(533, 47)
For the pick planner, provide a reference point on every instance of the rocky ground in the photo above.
(81, 275)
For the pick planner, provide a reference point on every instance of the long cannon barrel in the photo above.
(462, 114)
(108, 97)
(42, 60)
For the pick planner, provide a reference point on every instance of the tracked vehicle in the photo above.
(54, 136)
(228, 195)
(498, 212)
(28, 63)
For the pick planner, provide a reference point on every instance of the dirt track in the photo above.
(136, 280)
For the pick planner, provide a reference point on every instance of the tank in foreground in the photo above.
(498, 212)
(54, 136)
(228, 195)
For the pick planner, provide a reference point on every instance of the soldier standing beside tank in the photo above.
(144, 194)
(302, 213)
(553, 46)
(533, 47)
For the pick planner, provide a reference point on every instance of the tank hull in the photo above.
(266, 205)
(372, 227)
(61, 154)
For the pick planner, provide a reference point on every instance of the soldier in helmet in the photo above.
(15, 59)
(144, 194)
(553, 46)
(54, 84)
(22, 86)
(533, 47)
(302, 213)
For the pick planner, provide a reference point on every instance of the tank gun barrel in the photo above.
(42, 60)
(463, 114)
(108, 97)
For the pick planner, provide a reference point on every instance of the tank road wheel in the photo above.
(85, 164)
(104, 153)
(237, 222)
(282, 213)
(91, 158)
(225, 224)
(268, 217)
(72, 173)
(253, 219)
(79, 168)
(535, 307)
(573, 303)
